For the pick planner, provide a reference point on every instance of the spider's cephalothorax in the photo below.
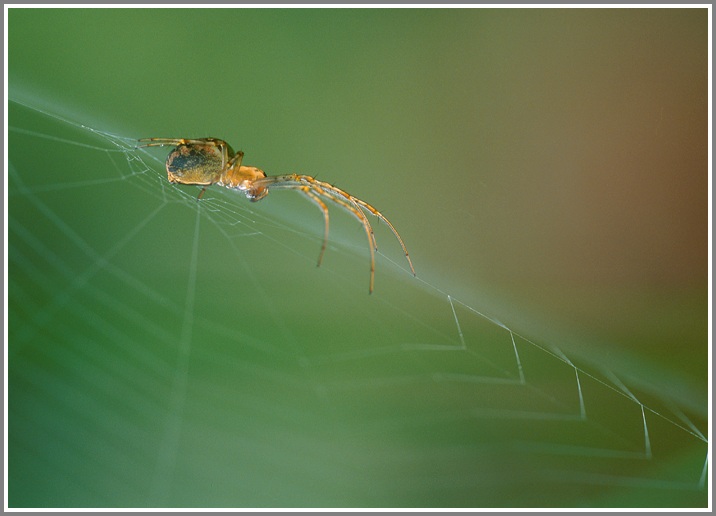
(208, 161)
(245, 179)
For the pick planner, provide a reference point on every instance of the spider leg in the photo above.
(316, 189)
(328, 192)
(158, 142)
(392, 228)
(308, 191)
(334, 194)
(357, 202)
(324, 209)
(309, 185)
(236, 160)
(216, 142)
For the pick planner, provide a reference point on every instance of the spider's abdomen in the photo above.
(195, 164)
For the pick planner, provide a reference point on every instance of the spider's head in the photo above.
(251, 175)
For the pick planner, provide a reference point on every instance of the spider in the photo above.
(208, 161)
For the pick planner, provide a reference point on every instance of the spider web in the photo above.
(168, 352)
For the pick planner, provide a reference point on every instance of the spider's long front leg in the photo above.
(353, 211)
(355, 206)
(347, 204)
(357, 202)
(324, 209)
(316, 189)
(337, 195)
(392, 228)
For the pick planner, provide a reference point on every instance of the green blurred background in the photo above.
(547, 167)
